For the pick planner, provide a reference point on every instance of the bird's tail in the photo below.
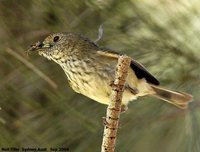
(179, 99)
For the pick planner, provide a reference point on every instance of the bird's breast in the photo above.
(91, 79)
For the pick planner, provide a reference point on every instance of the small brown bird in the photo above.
(90, 71)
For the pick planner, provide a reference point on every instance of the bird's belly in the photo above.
(105, 98)
(100, 91)
(97, 86)
(97, 89)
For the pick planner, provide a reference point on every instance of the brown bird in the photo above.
(91, 69)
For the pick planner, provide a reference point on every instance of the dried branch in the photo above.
(114, 108)
(32, 67)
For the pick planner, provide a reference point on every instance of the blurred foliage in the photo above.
(164, 35)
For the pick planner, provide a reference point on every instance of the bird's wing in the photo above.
(141, 72)
(139, 69)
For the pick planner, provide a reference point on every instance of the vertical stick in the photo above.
(114, 107)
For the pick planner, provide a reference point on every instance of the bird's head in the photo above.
(52, 47)
(59, 45)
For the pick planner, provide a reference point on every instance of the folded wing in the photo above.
(138, 68)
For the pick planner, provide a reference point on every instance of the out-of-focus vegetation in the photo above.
(164, 35)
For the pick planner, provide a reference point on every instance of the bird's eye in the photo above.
(56, 38)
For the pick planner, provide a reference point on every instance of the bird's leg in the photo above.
(133, 90)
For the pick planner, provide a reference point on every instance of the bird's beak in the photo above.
(46, 46)
(39, 46)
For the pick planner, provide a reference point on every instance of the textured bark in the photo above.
(114, 108)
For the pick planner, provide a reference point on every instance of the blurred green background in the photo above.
(164, 35)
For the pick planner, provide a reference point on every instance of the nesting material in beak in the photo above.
(38, 46)
(34, 47)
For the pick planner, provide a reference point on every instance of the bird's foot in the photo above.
(105, 123)
(124, 108)
(112, 84)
